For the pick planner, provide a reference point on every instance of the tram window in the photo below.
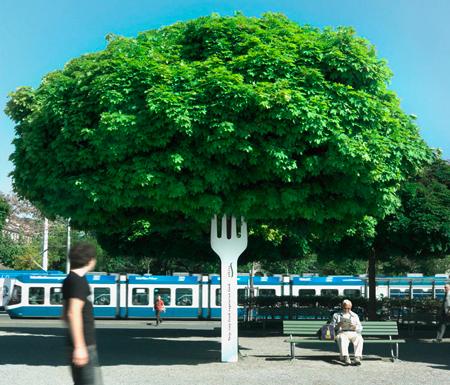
(183, 297)
(354, 293)
(397, 293)
(55, 296)
(218, 297)
(420, 293)
(140, 297)
(16, 296)
(439, 293)
(329, 292)
(102, 296)
(266, 292)
(242, 296)
(306, 292)
(36, 296)
(164, 293)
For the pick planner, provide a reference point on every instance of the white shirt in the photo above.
(354, 320)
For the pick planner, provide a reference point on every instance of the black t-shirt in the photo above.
(75, 286)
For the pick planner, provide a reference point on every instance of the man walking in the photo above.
(445, 315)
(78, 313)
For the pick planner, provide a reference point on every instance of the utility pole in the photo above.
(45, 246)
(68, 247)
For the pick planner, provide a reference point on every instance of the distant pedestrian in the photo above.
(445, 315)
(78, 314)
(159, 307)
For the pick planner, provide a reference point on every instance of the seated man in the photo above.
(348, 329)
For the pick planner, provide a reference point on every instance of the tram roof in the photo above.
(17, 273)
(163, 279)
(58, 278)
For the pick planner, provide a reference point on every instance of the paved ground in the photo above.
(181, 352)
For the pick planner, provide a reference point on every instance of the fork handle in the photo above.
(229, 319)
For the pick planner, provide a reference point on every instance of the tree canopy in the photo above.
(291, 126)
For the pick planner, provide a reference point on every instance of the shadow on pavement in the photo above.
(36, 346)
(437, 356)
(153, 346)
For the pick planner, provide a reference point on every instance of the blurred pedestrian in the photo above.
(78, 314)
(445, 315)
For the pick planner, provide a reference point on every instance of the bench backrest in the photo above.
(311, 328)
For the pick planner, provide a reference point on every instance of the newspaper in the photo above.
(346, 324)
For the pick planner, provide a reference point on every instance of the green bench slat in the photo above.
(367, 332)
(320, 325)
(364, 332)
(367, 327)
(314, 341)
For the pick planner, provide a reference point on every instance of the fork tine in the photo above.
(243, 229)
(214, 227)
(224, 234)
(233, 227)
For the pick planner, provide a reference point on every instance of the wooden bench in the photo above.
(374, 332)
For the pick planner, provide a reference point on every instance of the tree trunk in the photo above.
(372, 308)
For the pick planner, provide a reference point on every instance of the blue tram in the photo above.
(38, 294)
(7, 278)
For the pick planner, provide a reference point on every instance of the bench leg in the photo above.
(394, 354)
(292, 350)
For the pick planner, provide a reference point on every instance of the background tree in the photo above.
(8, 248)
(22, 236)
(418, 231)
(5, 210)
(291, 126)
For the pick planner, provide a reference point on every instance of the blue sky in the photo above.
(38, 36)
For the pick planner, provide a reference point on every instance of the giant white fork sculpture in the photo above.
(229, 247)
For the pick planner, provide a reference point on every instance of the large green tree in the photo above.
(291, 126)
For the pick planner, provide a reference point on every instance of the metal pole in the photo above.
(68, 247)
(45, 246)
(251, 293)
